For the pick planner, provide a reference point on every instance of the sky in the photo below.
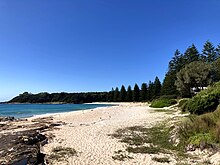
(94, 45)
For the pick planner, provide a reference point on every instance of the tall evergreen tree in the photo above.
(136, 93)
(129, 97)
(157, 87)
(191, 54)
(175, 65)
(217, 50)
(150, 91)
(209, 52)
(116, 95)
(175, 62)
(123, 93)
(168, 86)
(111, 95)
(144, 92)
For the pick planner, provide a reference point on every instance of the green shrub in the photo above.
(201, 129)
(168, 97)
(205, 101)
(162, 102)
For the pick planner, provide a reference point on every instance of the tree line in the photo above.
(146, 93)
(187, 70)
(192, 69)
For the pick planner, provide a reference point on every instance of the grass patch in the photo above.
(165, 111)
(162, 102)
(61, 153)
(161, 159)
(152, 140)
(121, 156)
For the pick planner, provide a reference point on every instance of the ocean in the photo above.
(28, 110)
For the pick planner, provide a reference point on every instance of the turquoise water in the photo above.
(28, 110)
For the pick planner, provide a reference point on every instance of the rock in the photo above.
(22, 148)
(6, 118)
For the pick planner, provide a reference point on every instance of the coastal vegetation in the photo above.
(191, 70)
(194, 79)
(60, 153)
(162, 102)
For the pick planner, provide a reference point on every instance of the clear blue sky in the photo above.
(93, 45)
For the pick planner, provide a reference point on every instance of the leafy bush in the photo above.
(162, 102)
(168, 97)
(205, 101)
(202, 129)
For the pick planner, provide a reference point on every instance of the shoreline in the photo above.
(88, 133)
(46, 114)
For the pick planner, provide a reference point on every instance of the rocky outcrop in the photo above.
(23, 147)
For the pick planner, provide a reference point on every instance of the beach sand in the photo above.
(88, 133)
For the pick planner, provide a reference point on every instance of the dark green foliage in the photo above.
(162, 102)
(116, 95)
(136, 93)
(217, 50)
(150, 91)
(202, 131)
(209, 52)
(61, 97)
(191, 54)
(205, 101)
(111, 95)
(123, 93)
(144, 92)
(216, 70)
(157, 87)
(196, 74)
(129, 94)
(177, 62)
(168, 86)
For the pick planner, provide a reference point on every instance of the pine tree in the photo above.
(168, 86)
(123, 93)
(129, 97)
(157, 87)
(144, 92)
(150, 91)
(136, 93)
(217, 50)
(209, 52)
(111, 95)
(116, 95)
(174, 64)
(191, 54)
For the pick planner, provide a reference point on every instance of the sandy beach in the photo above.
(88, 133)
